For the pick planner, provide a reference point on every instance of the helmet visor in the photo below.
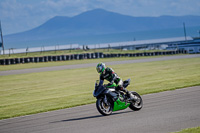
(99, 69)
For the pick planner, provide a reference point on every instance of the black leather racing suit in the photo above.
(115, 81)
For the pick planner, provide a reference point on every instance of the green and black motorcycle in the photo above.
(110, 100)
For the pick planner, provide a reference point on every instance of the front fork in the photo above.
(105, 100)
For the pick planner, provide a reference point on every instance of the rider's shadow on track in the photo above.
(90, 117)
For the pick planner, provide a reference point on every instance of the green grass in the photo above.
(190, 130)
(39, 92)
(67, 52)
(61, 63)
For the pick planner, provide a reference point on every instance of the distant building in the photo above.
(187, 44)
(191, 46)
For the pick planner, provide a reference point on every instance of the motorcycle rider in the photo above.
(115, 81)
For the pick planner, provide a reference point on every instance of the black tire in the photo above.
(138, 104)
(102, 108)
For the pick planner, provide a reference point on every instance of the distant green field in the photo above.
(39, 92)
(190, 130)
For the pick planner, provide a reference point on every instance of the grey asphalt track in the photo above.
(55, 68)
(162, 113)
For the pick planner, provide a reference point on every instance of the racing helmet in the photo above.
(100, 67)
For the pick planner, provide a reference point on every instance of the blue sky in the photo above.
(21, 15)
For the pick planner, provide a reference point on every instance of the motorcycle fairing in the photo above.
(98, 91)
(119, 105)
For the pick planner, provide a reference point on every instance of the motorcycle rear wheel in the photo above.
(136, 105)
(103, 108)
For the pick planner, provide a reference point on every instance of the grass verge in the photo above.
(39, 92)
(67, 52)
(70, 62)
(190, 130)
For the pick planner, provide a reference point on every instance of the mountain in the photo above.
(98, 22)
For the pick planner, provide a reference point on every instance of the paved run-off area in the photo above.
(162, 112)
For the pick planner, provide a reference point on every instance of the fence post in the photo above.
(27, 51)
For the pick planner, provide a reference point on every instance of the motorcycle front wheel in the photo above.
(138, 104)
(103, 108)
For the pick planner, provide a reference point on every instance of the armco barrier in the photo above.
(82, 56)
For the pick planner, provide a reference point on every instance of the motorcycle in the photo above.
(110, 100)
